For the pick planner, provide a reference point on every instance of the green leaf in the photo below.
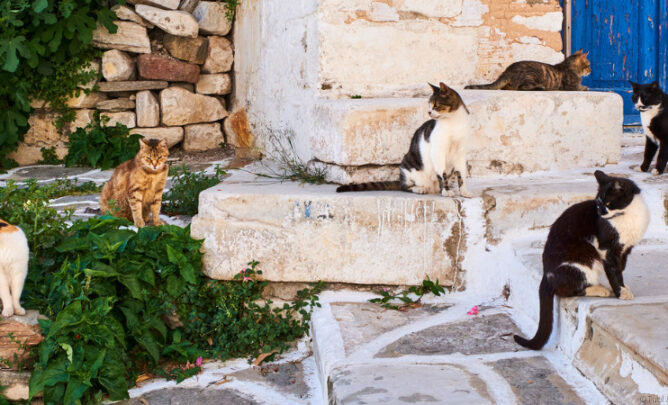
(39, 5)
(68, 350)
(70, 316)
(188, 273)
(130, 281)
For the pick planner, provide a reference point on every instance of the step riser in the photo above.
(511, 132)
(299, 235)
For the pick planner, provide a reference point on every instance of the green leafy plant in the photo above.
(290, 166)
(49, 157)
(231, 6)
(411, 298)
(45, 51)
(183, 197)
(98, 145)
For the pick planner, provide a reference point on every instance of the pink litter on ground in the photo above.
(198, 362)
(473, 311)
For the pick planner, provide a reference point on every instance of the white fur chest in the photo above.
(13, 248)
(646, 118)
(451, 130)
(633, 222)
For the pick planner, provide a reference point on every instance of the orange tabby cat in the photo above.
(136, 185)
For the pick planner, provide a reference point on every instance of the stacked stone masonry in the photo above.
(165, 73)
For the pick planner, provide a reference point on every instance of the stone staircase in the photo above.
(487, 249)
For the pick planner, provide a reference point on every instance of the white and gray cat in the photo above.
(437, 154)
(14, 256)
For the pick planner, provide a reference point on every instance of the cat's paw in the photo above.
(655, 172)
(419, 190)
(447, 193)
(465, 193)
(140, 223)
(158, 222)
(7, 312)
(598, 291)
(19, 311)
(625, 294)
(637, 169)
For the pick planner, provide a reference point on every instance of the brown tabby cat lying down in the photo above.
(529, 75)
(136, 185)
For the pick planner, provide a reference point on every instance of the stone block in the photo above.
(116, 87)
(127, 118)
(156, 67)
(237, 130)
(148, 109)
(166, 4)
(84, 100)
(212, 18)
(117, 104)
(117, 66)
(25, 331)
(173, 135)
(127, 14)
(178, 23)
(338, 234)
(218, 84)
(192, 50)
(16, 385)
(511, 132)
(220, 56)
(181, 107)
(129, 37)
(188, 5)
(624, 353)
(199, 137)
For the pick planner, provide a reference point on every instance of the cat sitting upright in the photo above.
(651, 102)
(590, 238)
(531, 75)
(14, 255)
(136, 185)
(437, 152)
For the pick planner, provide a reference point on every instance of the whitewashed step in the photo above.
(512, 132)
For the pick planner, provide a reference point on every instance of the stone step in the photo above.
(616, 344)
(512, 132)
(435, 353)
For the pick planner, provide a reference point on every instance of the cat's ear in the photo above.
(435, 89)
(143, 143)
(164, 143)
(578, 52)
(443, 87)
(654, 85)
(634, 85)
(584, 55)
(601, 177)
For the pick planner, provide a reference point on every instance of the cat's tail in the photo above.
(371, 186)
(546, 295)
(497, 85)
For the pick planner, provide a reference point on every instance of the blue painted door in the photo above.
(626, 40)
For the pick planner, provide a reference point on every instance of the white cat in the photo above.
(14, 256)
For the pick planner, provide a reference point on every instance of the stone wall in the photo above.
(298, 54)
(164, 74)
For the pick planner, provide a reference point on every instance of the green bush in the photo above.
(101, 146)
(183, 197)
(45, 46)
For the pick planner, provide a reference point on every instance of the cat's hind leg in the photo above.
(16, 286)
(5, 296)
(661, 159)
(650, 151)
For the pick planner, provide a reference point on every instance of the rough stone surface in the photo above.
(481, 334)
(178, 23)
(112, 87)
(535, 381)
(338, 234)
(128, 14)
(625, 353)
(25, 330)
(188, 5)
(168, 4)
(212, 18)
(156, 67)
(192, 50)
(129, 37)
(218, 84)
(283, 377)
(201, 137)
(127, 118)
(410, 383)
(360, 323)
(16, 384)
(220, 56)
(148, 109)
(117, 104)
(193, 396)
(512, 132)
(237, 130)
(117, 66)
(173, 135)
(181, 107)
(84, 100)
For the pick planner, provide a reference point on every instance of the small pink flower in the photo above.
(386, 289)
(248, 279)
(473, 311)
(198, 361)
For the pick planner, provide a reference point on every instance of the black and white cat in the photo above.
(437, 153)
(652, 103)
(588, 240)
